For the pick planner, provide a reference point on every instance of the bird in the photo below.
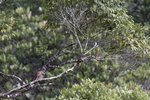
(40, 74)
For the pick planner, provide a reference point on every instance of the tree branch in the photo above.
(12, 76)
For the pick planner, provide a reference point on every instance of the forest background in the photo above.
(75, 49)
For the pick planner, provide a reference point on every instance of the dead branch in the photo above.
(73, 18)
(12, 76)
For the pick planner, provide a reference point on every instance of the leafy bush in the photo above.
(139, 9)
(50, 33)
(94, 90)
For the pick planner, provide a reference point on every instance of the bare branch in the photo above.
(86, 44)
(12, 76)
(95, 45)
(73, 18)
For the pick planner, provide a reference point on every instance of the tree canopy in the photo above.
(74, 49)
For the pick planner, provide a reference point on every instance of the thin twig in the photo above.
(86, 44)
(95, 45)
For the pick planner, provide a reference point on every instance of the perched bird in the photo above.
(40, 74)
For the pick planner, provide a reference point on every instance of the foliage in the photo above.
(91, 90)
(139, 9)
(50, 33)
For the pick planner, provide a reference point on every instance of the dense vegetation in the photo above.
(88, 49)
